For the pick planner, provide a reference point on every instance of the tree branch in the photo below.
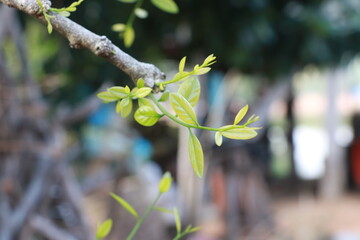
(80, 37)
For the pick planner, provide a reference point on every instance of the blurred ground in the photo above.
(309, 218)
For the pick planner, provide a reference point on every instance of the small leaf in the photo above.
(147, 116)
(129, 36)
(168, 6)
(190, 90)
(182, 64)
(140, 83)
(238, 132)
(141, 13)
(201, 71)
(119, 92)
(145, 102)
(118, 107)
(125, 107)
(125, 205)
(179, 76)
(164, 97)
(241, 114)
(209, 60)
(64, 13)
(75, 4)
(127, 1)
(104, 229)
(118, 27)
(177, 220)
(160, 209)
(165, 183)
(196, 154)
(142, 92)
(218, 138)
(107, 97)
(183, 108)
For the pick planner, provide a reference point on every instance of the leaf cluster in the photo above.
(126, 30)
(182, 103)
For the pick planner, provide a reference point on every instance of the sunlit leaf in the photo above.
(64, 13)
(238, 132)
(165, 183)
(141, 13)
(146, 116)
(129, 36)
(119, 92)
(190, 90)
(182, 64)
(104, 229)
(145, 102)
(125, 205)
(241, 114)
(209, 60)
(196, 154)
(183, 108)
(118, 27)
(126, 107)
(218, 138)
(142, 92)
(164, 97)
(166, 5)
(140, 83)
(202, 71)
(107, 97)
(177, 220)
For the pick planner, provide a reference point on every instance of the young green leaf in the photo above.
(218, 138)
(168, 6)
(209, 60)
(190, 90)
(238, 132)
(142, 92)
(125, 205)
(118, 107)
(129, 36)
(196, 154)
(64, 13)
(146, 116)
(164, 97)
(182, 64)
(119, 92)
(160, 209)
(107, 97)
(140, 83)
(126, 107)
(183, 108)
(118, 27)
(165, 183)
(241, 114)
(145, 102)
(141, 13)
(177, 220)
(127, 1)
(104, 229)
(201, 71)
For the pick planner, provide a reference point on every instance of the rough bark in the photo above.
(80, 37)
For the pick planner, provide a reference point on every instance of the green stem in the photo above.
(175, 119)
(141, 220)
(177, 237)
(132, 16)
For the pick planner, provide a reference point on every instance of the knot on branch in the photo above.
(103, 47)
(150, 74)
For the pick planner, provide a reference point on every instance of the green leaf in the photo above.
(118, 107)
(147, 116)
(182, 64)
(241, 114)
(104, 229)
(209, 60)
(179, 76)
(145, 102)
(201, 71)
(125, 107)
(177, 220)
(118, 27)
(127, 1)
(107, 97)
(164, 97)
(166, 5)
(218, 138)
(119, 92)
(190, 90)
(160, 209)
(140, 83)
(129, 36)
(142, 92)
(64, 13)
(196, 154)
(183, 108)
(125, 205)
(141, 13)
(165, 183)
(75, 4)
(238, 132)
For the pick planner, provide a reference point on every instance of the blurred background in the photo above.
(295, 63)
